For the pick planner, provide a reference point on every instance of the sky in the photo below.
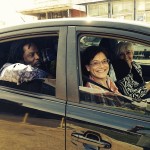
(8, 11)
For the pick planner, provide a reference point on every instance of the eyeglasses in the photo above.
(97, 63)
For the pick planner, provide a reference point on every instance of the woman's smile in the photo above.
(99, 67)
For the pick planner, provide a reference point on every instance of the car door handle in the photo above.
(90, 138)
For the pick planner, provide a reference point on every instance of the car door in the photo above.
(32, 113)
(91, 125)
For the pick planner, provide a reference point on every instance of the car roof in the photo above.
(86, 21)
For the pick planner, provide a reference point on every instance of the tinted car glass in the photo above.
(48, 57)
(109, 99)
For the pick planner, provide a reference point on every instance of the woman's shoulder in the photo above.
(118, 65)
(136, 65)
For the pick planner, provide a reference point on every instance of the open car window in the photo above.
(47, 50)
(105, 98)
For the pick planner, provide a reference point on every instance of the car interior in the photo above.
(92, 95)
(110, 44)
(48, 54)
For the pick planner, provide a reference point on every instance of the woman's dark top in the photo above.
(130, 81)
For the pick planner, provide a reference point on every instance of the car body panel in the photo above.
(93, 22)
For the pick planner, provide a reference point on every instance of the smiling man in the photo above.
(23, 63)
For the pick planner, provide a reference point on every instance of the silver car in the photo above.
(59, 112)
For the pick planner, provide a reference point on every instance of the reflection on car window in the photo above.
(95, 98)
(86, 41)
(141, 53)
(30, 64)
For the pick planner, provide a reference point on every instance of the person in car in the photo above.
(129, 74)
(23, 63)
(97, 67)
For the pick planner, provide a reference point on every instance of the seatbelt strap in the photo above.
(95, 83)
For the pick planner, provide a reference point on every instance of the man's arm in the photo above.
(19, 73)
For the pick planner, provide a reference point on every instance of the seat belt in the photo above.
(95, 83)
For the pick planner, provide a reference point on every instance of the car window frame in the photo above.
(107, 33)
(24, 33)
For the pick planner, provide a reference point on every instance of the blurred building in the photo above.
(119, 9)
(48, 9)
(10, 16)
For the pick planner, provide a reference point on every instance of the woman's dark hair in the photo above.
(91, 52)
(110, 46)
(88, 55)
(16, 50)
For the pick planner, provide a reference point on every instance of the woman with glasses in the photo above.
(96, 67)
(129, 74)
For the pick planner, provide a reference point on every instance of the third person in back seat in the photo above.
(129, 74)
